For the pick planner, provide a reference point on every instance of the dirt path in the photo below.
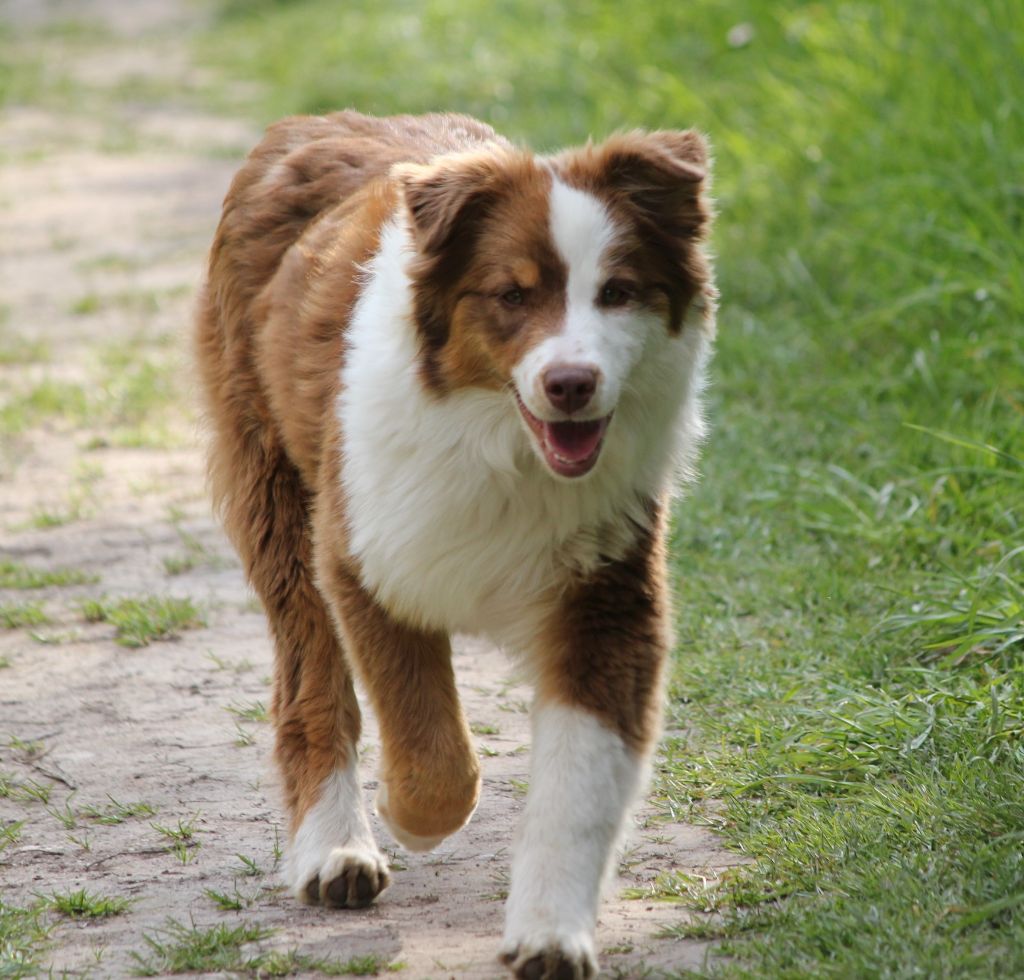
(106, 206)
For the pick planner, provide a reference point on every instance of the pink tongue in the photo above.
(574, 441)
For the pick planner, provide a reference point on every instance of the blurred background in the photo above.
(851, 597)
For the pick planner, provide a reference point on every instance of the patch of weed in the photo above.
(17, 615)
(183, 841)
(178, 948)
(141, 621)
(24, 938)
(15, 575)
(117, 812)
(81, 904)
(250, 711)
(10, 833)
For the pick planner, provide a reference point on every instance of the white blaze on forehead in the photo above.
(607, 339)
(581, 231)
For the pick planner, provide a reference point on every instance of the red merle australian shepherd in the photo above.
(451, 386)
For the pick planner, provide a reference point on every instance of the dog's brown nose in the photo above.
(569, 387)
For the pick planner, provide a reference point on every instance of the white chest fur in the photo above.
(456, 523)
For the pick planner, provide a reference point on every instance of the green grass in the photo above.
(117, 812)
(234, 902)
(24, 936)
(132, 398)
(10, 833)
(141, 621)
(16, 615)
(182, 840)
(178, 948)
(81, 904)
(23, 791)
(188, 949)
(849, 665)
(15, 575)
(249, 711)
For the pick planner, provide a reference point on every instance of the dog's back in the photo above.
(305, 168)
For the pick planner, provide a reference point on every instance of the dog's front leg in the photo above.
(595, 720)
(430, 775)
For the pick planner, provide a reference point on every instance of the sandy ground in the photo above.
(106, 207)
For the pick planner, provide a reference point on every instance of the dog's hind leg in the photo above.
(332, 856)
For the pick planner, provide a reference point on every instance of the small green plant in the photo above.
(184, 831)
(237, 666)
(85, 305)
(24, 936)
(229, 903)
(27, 748)
(480, 728)
(195, 554)
(249, 868)
(141, 621)
(249, 711)
(27, 791)
(184, 844)
(84, 841)
(10, 833)
(66, 817)
(15, 575)
(82, 904)
(243, 737)
(76, 508)
(178, 948)
(278, 963)
(117, 812)
(17, 615)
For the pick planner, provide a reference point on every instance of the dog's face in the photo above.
(548, 278)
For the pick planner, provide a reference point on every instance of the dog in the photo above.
(451, 387)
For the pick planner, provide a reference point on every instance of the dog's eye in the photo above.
(513, 297)
(615, 294)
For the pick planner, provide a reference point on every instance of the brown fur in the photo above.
(656, 182)
(606, 642)
(301, 217)
(267, 390)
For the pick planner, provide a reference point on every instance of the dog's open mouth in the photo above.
(569, 448)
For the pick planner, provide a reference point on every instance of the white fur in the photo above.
(582, 782)
(334, 835)
(457, 522)
(610, 340)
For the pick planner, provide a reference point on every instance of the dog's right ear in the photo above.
(446, 202)
(443, 195)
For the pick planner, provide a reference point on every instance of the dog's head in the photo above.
(551, 279)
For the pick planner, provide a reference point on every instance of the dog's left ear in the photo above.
(663, 174)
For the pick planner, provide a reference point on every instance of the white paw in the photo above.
(550, 955)
(345, 878)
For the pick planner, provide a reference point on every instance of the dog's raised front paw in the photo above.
(552, 956)
(348, 878)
